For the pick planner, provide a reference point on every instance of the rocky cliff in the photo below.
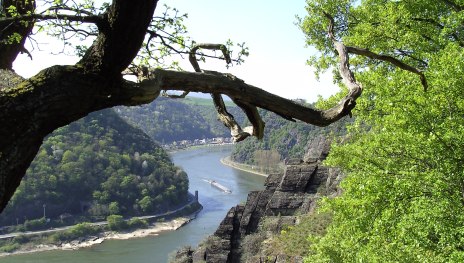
(286, 196)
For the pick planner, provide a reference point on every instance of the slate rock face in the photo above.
(295, 191)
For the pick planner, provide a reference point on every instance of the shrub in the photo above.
(21, 239)
(116, 222)
(82, 230)
(35, 224)
(77, 231)
(8, 248)
(137, 223)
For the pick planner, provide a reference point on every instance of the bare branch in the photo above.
(347, 74)
(409, 55)
(355, 89)
(392, 60)
(239, 134)
(233, 87)
(34, 17)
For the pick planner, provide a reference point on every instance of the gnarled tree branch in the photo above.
(239, 134)
(355, 89)
(392, 60)
(30, 109)
(347, 74)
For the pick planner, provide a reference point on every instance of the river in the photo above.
(200, 164)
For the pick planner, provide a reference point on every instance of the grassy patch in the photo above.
(293, 240)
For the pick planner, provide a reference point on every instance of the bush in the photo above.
(21, 239)
(293, 240)
(116, 222)
(9, 247)
(137, 223)
(77, 231)
(82, 230)
(35, 224)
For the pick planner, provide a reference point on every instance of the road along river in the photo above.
(201, 164)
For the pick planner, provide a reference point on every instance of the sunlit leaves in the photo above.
(403, 196)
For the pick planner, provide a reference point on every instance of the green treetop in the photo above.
(403, 196)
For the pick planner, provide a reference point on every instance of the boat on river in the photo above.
(218, 186)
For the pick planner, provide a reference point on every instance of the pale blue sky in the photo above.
(277, 61)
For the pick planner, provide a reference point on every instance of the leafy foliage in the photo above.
(403, 195)
(77, 231)
(98, 165)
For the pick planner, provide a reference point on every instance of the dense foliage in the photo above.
(166, 120)
(97, 166)
(403, 196)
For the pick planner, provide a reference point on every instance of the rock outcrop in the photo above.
(292, 193)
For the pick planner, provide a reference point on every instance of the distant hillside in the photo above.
(166, 120)
(97, 166)
(283, 139)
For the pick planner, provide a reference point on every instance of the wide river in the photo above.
(200, 164)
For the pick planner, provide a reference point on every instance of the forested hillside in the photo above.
(403, 194)
(166, 120)
(282, 140)
(97, 166)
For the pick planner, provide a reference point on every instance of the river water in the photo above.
(200, 164)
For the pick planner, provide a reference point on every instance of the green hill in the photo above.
(282, 140)
(97, 166)
(166, 120)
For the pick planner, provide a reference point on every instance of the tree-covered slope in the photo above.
(166, 120)
(282, 140)
(403, 194)
(97, 166)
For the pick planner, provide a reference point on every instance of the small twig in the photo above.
(34, 17)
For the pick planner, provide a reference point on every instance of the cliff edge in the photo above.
(286, 196)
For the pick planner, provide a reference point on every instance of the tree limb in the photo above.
(237, 90)
(355, 89)
(10, 48)
(239, 134)
(34, 17)
(347, 74)
(392, 60)
(31, 109)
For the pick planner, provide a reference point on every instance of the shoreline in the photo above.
(192, 147)
(226, 161)
(89, 241)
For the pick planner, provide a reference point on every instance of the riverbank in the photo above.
(89, 241)
(242, 167)
(199, 146)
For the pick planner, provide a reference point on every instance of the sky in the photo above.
(277, 61)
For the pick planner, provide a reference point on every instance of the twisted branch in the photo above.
(347, 74)
(355, 89)
(392, 60)
(239, 134)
